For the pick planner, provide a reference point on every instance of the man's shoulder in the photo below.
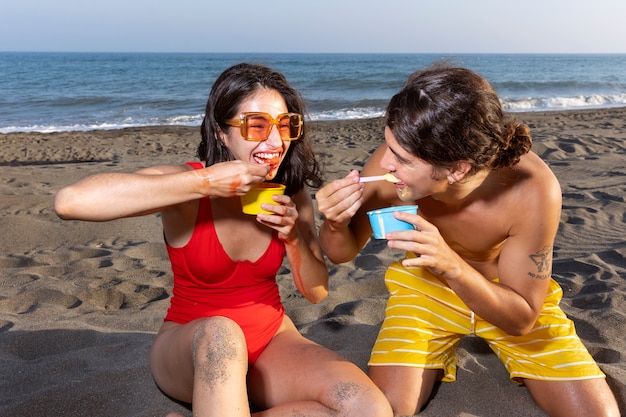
(538, 174)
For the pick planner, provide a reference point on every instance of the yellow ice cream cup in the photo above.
(261, 193)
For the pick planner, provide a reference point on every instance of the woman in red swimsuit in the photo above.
(226, 341)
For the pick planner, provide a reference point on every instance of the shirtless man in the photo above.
(480, 258)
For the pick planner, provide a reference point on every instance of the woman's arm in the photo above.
(109, 196)
(305, 254)
(295, 223)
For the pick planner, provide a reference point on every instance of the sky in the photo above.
(336, 26)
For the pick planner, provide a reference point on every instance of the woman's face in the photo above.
(271, 151)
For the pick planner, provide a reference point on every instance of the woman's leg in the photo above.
(295, 376)
(204, 363)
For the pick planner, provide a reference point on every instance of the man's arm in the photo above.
(523, 264)
(344, 203)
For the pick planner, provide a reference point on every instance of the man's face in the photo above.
(417, 179)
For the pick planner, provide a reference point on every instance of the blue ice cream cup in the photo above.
(383, 222)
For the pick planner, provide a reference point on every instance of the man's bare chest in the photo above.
(475, 233)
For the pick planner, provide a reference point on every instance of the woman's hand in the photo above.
(284, 218)
(232, 178)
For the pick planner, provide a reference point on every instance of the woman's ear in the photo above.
(220, 135)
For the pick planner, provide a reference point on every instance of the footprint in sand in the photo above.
(368, 262)
(17, 261)
(614, 258)
(17, 280)
(29, 301)
(602, 300)
(69, 256)
(606, 355)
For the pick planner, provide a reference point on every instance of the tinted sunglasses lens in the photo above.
(290, 126)
(257, 126)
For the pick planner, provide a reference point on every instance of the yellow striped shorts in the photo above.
(425, 321)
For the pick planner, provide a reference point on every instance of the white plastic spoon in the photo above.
(387, 177)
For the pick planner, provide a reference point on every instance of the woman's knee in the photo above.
(218, 340)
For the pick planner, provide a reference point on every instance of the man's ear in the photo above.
(459, 171)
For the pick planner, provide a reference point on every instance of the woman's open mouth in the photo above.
(271, 159)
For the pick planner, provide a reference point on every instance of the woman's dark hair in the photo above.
(231, 88)
(447, 114)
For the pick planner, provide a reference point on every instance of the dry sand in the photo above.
(80, 302)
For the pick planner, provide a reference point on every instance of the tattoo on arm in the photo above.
(543, 260)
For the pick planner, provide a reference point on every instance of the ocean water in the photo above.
(47, 92)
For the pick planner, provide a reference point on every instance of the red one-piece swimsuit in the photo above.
(207, 282)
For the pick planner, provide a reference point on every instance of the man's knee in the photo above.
(407, 389)
(403, 406)
(353, 399)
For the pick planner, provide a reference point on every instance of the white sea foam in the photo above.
(564, 103)
(348, 114)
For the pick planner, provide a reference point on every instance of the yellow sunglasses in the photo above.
(256, 126)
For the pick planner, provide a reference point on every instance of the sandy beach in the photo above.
(80, 302)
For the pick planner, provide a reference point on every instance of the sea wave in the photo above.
(194, 120)
(512, 105)
(563, 103)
